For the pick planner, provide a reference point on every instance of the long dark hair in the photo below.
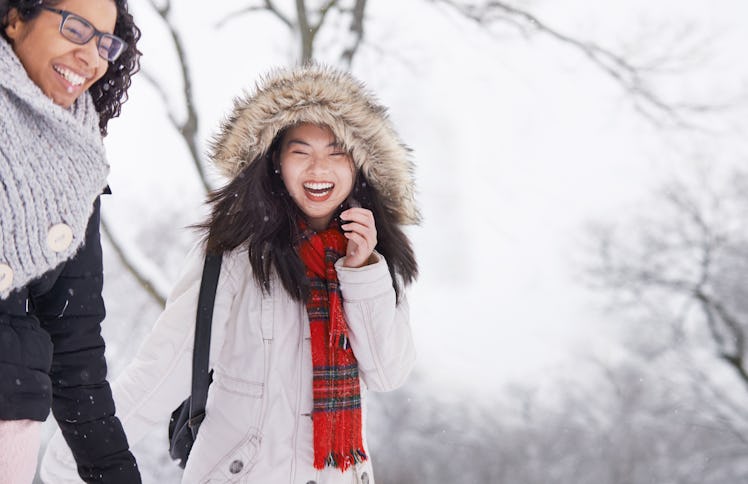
(254, 210)
(110, 91)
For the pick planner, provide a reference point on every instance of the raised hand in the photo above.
(361, 232)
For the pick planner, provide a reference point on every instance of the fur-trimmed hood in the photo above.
(324, 96)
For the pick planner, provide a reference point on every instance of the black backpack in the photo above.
(186, 419)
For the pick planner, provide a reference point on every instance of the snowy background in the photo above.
(527, 372)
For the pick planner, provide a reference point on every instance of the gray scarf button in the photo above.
(6, 277)
(59, 237)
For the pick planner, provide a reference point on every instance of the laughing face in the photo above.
(317, 171)
(62, 70)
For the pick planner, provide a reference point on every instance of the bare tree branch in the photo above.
(322, 14)
(702, 385)
(163, 95)
(734, 358)
(162, 11)
(237, 14)
(646, 101)
(693, 250)
(730, 321)
(305, 31)
(711, 321)
(717, 316)
(268, 6)
(357, 27)
(188, 128)
(272, 8)
(147, 276)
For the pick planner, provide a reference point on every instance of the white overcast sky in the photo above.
(518, 142)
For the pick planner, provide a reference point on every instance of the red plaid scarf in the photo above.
(335, 385)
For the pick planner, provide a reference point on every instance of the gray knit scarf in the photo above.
(52, 168)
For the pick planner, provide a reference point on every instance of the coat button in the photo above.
(236, 467)
(6, 276)
(311, 482)
(364, 478)
(59, 237)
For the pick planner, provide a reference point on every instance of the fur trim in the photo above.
(324, 96)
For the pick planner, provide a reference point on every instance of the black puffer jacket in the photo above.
(52, 353)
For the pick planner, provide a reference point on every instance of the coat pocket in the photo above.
(229, 439)
(235, 464)
(239, 386)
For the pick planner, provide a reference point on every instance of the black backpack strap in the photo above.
(201, 352)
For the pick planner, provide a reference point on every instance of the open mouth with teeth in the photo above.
(75, 80)
(318, 191)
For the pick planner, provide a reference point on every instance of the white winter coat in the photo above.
(257, 427)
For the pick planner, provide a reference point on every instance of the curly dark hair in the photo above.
(110, 91)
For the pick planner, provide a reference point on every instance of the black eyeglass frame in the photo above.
(95, 32)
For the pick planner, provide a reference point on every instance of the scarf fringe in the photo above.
(339, 430)
(342, 461)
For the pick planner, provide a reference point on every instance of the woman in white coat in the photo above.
(308, 315)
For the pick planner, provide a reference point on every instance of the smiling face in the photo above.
(317, 172)
(62, 70)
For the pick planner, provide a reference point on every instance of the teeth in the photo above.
(318, 186)
(70, 76)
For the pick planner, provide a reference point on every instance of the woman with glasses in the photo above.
(65, 68)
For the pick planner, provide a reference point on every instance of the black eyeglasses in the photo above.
(79, 31)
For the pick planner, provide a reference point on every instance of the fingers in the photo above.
(363, 246)
(360, 215)
(360, 229)
(361, 221)
(361, 232)
(357, 253)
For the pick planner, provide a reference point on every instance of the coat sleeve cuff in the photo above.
(366, 282)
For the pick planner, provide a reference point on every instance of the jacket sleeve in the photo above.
(158, 379)
(71, 311)
(379, 329)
